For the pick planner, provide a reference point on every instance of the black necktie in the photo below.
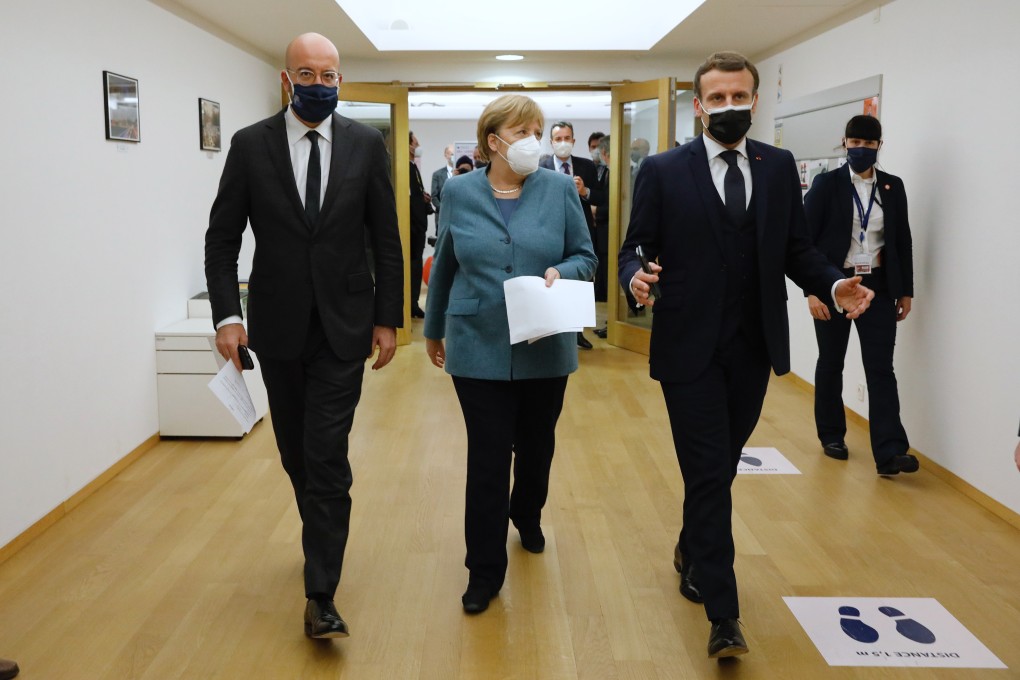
(566, 168)
(314, 180)
(733, 187)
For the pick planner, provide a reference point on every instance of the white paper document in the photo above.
(535, 311)
(230, 388)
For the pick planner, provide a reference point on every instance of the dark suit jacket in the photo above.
(299, 264)
(585, 169)
(830, 210)
(676, 217)
(439, 178)
(420, 210)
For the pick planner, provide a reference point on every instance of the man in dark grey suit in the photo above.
(315, 187)
(439, 178)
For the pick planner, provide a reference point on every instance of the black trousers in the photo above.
(876, 329)
(505, 419)
(417, 262)
(712, 418)
(312, 401)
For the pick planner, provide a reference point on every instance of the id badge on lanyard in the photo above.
(862, 261)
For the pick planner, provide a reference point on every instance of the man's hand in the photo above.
(1016, 456)
(853, 297)
(903, 307)
(436, 352)
(551, 274)
(639, 285)
(385, 338)
(819, 310)
(428, 197)
(581, 190)
(228, 337)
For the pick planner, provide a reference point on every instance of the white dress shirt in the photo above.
(874, 238)
(718, 166)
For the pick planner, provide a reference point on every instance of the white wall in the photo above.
(949, 122)
(102, 241)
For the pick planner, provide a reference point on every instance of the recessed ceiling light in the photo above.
(510, 57)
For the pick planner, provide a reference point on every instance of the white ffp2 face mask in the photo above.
(522, 155)
(563, 149)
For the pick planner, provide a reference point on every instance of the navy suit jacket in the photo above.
(298, 263)
(830, 209)
(585, 169)
(676, 216)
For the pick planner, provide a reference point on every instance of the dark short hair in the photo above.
(465, 160)
(863, 127)
(724, 61)
(410, 136)
(595, 135)
(562, 124)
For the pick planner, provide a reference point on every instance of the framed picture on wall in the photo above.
(122, 121)
(209, 125)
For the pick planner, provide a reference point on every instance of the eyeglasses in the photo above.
(306, 76)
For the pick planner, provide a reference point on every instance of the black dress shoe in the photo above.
(476, 598)
(726, 639)
(8, 669)
(688, 585)
(323, 621)
(837, 450)
(582, 341)
(601, 332)
(417, 312)
(532, 540)
(904, 462)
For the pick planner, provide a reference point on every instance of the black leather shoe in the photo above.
(476, 598)
(323, 621)
(837, 450)
(904, 462)
(532, 540)
(688, 585)
(8, 669)
(726, 639)
(582, 341)
(417, 312)
(601, 332)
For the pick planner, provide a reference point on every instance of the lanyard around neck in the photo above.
(861, 213)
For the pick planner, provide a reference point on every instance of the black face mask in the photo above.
(861, 158)
(730, 125)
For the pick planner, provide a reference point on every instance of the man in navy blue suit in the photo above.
(723, 217)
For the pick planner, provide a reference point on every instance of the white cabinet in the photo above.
(185, 364)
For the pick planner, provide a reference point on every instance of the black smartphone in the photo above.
(246, 363)
(656, 290)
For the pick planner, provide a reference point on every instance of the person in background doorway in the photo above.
(857, 218)
(561, 136)
(421, 208)
(512, 219)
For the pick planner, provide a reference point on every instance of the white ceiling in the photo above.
(756, 28)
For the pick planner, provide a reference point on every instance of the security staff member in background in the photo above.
(724, 217)
(857, 216)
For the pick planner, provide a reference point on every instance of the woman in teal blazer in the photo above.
(510, 219)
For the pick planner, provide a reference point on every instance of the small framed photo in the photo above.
(122, 121)
(209, 125)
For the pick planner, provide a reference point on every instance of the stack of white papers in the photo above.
(536, 311)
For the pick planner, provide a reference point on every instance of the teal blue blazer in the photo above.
(476, 252)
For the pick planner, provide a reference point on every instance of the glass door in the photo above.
(643, 123)
(384, 107)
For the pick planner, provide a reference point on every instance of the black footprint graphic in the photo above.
(854, 627)
(750, 460)
(909, 628)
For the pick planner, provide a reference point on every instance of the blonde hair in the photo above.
(506, 111)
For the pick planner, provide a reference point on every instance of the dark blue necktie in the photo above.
(313, 183)
(566, 168)
(733, 187)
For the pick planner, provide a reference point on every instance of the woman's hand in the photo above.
(436, 351)
(551, 274)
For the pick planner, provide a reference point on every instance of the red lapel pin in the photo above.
(757, 158)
